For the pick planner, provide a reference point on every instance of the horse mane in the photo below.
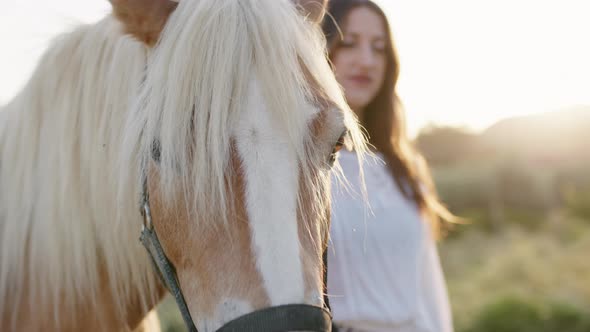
(72, 143)
(63, 226)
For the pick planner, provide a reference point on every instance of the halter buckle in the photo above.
(147, 216)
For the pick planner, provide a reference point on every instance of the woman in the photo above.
(384, 273)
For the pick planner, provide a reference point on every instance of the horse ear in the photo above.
(313, 9)
(144, 19)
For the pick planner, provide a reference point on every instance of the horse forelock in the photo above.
(197, 82)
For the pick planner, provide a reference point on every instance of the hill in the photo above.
(556, 138)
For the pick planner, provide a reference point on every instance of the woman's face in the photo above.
(360, 58)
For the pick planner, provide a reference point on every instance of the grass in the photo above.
(543, 266)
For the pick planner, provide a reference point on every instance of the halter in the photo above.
(290, 317)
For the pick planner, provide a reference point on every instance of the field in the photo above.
(520, 270)
(522, 263)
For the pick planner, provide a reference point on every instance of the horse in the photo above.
(225, 112)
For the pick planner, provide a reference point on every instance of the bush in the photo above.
(511, 314)
(567, 318)
(578, 203)
(508, 315)
(497, 194)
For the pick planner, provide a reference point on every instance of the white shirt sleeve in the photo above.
(435, 300)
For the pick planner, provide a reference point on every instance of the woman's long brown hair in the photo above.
(383, 119)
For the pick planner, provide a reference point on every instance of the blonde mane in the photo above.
(193, 101)
(72, 142)
(62, 225)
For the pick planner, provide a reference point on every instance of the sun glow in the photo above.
(464, 63)
(473, 63)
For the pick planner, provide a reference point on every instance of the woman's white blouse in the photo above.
(384, 271)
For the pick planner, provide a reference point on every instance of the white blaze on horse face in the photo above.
(271, 176)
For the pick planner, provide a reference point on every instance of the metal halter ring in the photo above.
(147, 216)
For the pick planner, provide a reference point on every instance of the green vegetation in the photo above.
(522, 263)
(511, 314)
(546, 266)
(170, 317)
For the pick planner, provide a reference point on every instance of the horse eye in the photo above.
(337, 147)
(339, 143)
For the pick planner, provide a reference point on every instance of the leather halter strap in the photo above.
(162, 265)
(291, 317)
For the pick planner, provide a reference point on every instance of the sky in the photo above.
(466, 63)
